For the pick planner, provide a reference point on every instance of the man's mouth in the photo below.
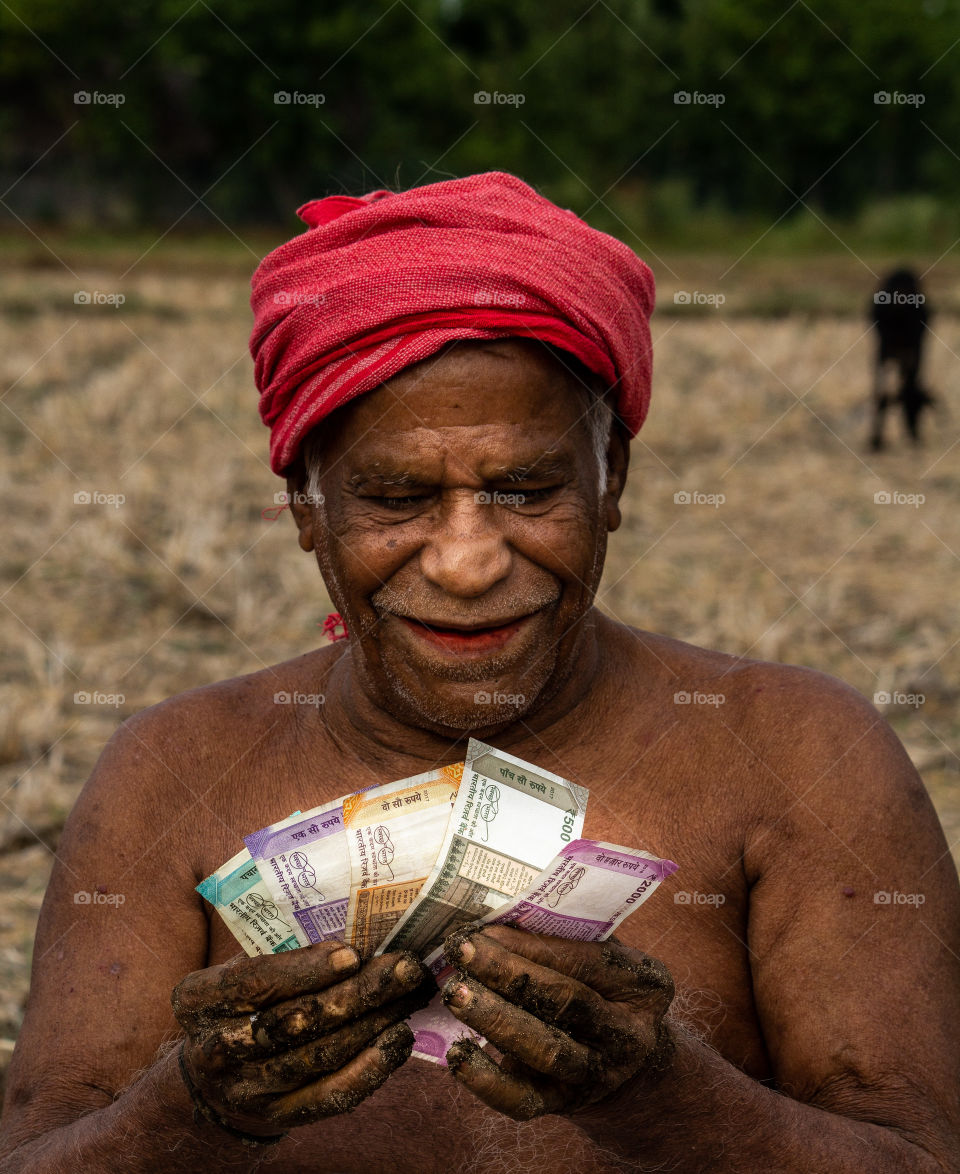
(466, 638)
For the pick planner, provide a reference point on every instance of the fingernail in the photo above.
(343, 959)
(455, 994)
(407, 970)
(466, 950)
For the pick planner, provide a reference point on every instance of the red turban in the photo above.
(382, 281)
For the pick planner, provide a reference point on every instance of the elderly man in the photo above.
(451, 376)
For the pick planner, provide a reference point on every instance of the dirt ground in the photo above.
(110, 605)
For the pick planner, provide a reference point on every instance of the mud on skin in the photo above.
(280, 1026)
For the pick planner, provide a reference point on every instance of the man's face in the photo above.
(463, 533)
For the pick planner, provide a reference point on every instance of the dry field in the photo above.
(185, 583)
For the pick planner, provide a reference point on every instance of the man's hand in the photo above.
(574, 1020)
(285, 1039)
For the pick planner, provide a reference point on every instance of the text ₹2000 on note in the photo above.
(582, 895)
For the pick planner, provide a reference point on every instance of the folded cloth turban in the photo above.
(381, 281)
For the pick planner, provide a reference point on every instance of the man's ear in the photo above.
(618, 461)
(300, 509)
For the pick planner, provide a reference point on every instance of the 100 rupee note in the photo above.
(305, 864)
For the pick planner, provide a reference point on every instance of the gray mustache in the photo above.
(419, 601)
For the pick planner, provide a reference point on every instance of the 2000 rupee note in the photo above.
(585, 892)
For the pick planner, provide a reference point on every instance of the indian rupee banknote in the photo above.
(237, 892)
(583, 894)
(507, 823)
(305, 864)
(393, 835)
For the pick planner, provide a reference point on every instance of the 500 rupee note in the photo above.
(508, 821)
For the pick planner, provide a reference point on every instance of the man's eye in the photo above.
(395, 503)
(528, 496)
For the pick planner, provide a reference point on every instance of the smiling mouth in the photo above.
(466, 637)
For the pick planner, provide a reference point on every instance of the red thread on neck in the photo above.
(333, 621)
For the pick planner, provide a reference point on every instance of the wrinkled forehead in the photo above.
(499, 408)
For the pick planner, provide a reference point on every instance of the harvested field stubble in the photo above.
(751, 523)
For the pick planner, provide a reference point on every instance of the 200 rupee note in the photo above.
(585, 892)
(508, 821)
(393, 835)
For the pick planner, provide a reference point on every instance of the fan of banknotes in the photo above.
(402, 865)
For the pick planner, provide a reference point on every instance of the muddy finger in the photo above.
(379, 982)
(298, 1066)
(518, 1097)
(245, 985)
(548, 994)
(344, 1090)
(541, 1046)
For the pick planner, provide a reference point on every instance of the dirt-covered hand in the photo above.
(285, 1039)
(574, 1020)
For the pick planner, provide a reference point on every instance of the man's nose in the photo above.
(467, 554)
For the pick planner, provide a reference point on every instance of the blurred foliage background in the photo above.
(183, 124)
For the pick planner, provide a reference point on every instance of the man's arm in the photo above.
(118, 929)
(859, 999)
(100, 1002)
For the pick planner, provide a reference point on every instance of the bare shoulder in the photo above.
(787, 711)
(121, 923)
(824, 781)
(195, 726)
(798, 744)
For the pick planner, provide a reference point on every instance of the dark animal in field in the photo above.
(900, 314)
